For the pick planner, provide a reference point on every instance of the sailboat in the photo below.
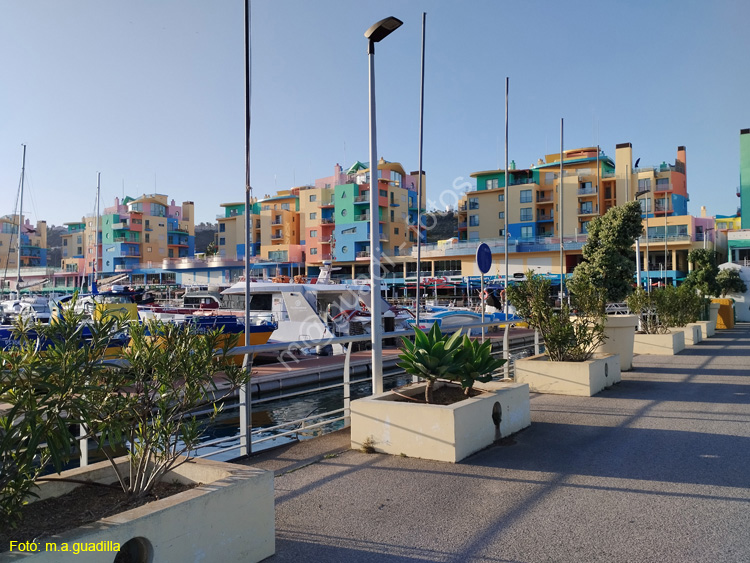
(28, 308)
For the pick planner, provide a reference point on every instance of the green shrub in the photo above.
(565, 338)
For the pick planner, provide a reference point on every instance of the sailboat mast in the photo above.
(20, 222)
(96, 230)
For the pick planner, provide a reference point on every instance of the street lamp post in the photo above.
(376, 33)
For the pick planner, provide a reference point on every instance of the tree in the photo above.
(609, 258)
(566, 338)
(704, 273)
(729, 281)
(212, 249)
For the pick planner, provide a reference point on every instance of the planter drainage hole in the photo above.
(136, 550)
(497, 416)
(606, 370)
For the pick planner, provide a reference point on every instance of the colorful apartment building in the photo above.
(739, 241)
(33, 243)
(298, 229)
(134, 237)
(541, 208)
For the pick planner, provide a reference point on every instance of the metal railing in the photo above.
(325, 420)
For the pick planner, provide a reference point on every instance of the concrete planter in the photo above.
(693, 333)
(568, 378)
(228, 517)
(708, 329)
(439, 432)
(620, 332)
(660, 344)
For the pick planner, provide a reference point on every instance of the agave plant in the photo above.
(477, 363)
(432, 356)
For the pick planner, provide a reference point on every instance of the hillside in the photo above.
(443, 226)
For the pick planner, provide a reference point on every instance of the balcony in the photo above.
(362, 217)
(122, 225)
(587, 191)
(544, 217)
(462, 225)
(326, 204)
(542, 198)
(277, 222)
(328, 222)
(462, 207)
(362, 198)
(588, 210)
(277, 236)
(127, 240)
(663, 188)
(362, 254)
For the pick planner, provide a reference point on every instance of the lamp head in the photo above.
(382, 29)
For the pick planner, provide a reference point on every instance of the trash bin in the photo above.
(725, 318)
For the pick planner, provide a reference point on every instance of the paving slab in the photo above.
(655, 469)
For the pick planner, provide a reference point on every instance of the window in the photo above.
(314, 234)
(395, 230)
(645, 205)
(148, 237)
(285, 207)
(473, 203)
(501, 215)
(501, 233)
(343, 212)
(474, 220)
(587, 207)
(313, 251)
(343, 195)
(586, 187)
(350, 231)
(500, 197)
(662, 181)
(313, 197)
(344, 249)
(644, 185)
(148, 249)
(526, 214)
(585, 227)
(313, 216)
(383, 193)
(490, 184)
(527, 232)
(549, 177)
(65, 242)
(222, 227)
(525, 196)
(474, 235)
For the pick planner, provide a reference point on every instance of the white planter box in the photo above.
(660, 344)
(693, 333)
(568, 378)
(440, 432)
(620, 331)
(228, 517)
(708, 329)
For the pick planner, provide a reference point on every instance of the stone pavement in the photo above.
(656, 469)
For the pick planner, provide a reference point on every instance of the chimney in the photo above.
(703, 211)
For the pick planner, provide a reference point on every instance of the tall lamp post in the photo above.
(376, 33)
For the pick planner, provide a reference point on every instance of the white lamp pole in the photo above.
(377, 32)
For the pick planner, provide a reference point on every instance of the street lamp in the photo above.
(376, 33)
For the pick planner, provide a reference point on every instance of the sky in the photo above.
(150, 93)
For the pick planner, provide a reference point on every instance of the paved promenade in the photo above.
(656, 469)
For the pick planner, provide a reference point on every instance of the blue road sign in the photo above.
(484, 258)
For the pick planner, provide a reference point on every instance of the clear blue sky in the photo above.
(151, 93)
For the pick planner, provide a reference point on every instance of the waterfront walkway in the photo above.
(656, 469)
